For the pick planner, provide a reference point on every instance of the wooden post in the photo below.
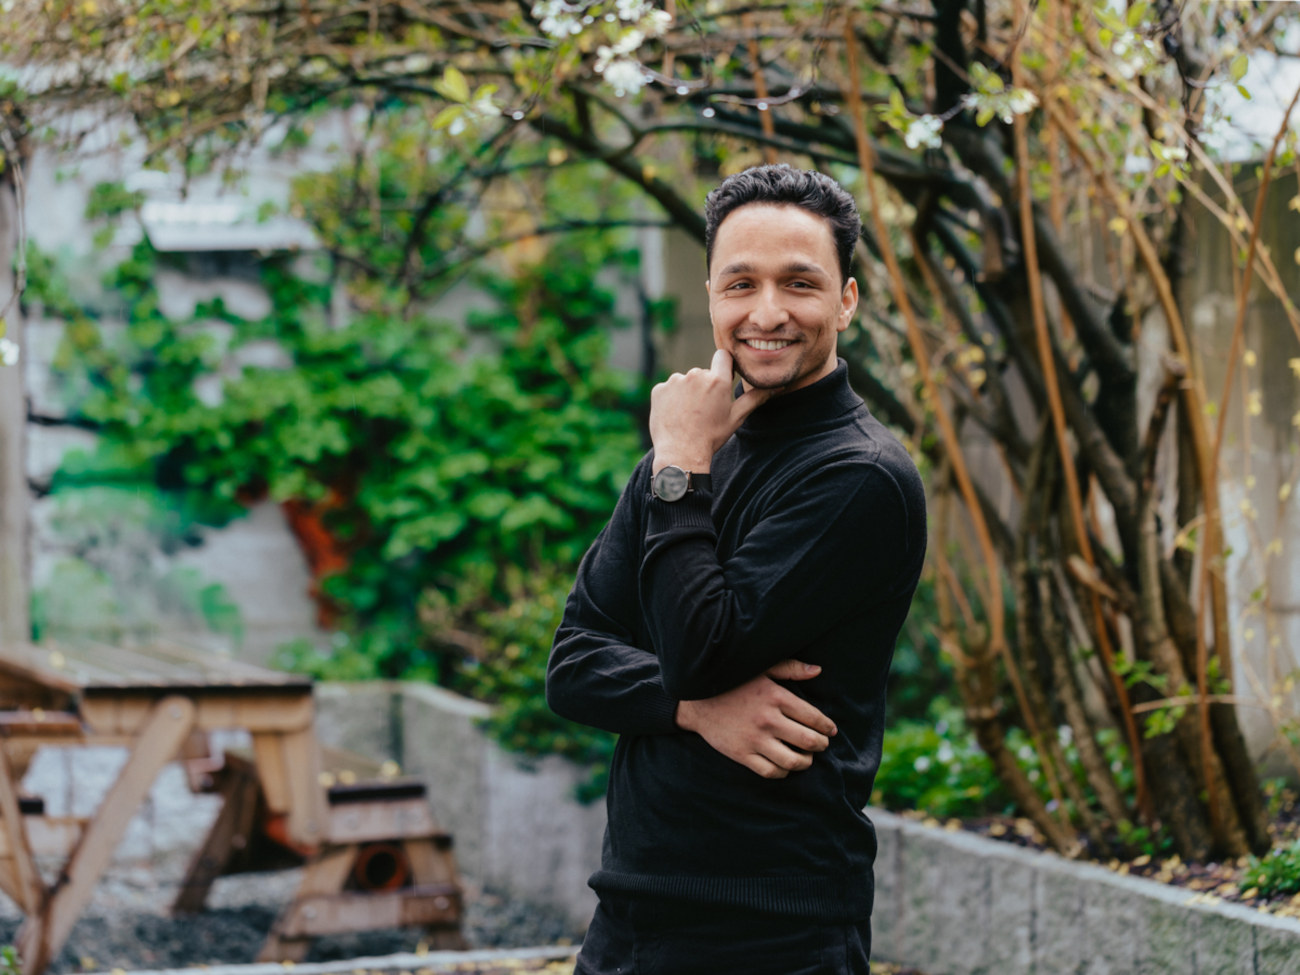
(43, 934)
(15, 615)
(18, 874)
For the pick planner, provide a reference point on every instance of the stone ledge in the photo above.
(953, 903)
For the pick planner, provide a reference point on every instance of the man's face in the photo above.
(775, 296)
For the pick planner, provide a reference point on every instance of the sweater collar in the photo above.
(826, 399)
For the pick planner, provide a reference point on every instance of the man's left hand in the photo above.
(692, 415)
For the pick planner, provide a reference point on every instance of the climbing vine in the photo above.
(442, 477)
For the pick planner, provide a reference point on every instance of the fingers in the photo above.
(801, 736)
(746, 403)
(784, 758)
(801, 712)
(793, 670)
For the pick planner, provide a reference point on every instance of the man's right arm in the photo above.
(599, 676)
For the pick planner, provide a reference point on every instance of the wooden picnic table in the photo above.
(159, 702)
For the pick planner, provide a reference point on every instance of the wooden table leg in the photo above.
(433, 863)
(18, 874)
(43, 934)
(231, 831)
(326, 874)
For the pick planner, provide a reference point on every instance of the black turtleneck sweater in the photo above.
(808, 546)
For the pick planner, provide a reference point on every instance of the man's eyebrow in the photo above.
(794, 267)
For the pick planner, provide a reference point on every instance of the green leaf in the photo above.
(447, 116)
(452, 86)
(1237, 70)
(1136, 14)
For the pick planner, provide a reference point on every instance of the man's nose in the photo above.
(769, 312)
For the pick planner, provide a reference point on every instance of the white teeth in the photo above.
(762, 346)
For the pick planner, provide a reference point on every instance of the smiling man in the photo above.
(735, 620)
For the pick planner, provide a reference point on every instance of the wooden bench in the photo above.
(372, 855)
(382, 861)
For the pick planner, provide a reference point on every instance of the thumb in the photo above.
(721, 364)
(793, 670)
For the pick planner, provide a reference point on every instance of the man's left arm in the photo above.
(838, 540)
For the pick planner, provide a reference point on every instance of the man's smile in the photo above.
(767, 345)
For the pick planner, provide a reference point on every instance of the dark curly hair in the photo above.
(782, 185)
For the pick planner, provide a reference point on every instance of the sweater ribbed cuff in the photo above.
(692, 512)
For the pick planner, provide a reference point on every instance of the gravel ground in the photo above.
(126, 925)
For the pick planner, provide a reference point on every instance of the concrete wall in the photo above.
(953, 903)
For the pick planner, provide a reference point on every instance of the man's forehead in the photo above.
(755, 224)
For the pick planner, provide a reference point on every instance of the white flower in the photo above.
(8, 352)
(624, 76)
(558, 19)
(1021, 100)
(631, 9)
(921, 764)
(924, 132)
(656, 22)
(945, 753)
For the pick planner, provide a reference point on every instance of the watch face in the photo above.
(670, 484)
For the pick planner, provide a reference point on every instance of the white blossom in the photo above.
(924, 132)
(629, 42)
(656, 22)
(558, 19)
(624, 75)
(8, 352)
(632, 10)
(1021, 101)
(921, 764)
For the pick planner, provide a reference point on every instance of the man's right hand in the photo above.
(762, 725)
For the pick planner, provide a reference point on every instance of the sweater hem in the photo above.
(826, 898)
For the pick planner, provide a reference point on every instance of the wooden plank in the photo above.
(9, 880)
(324, 875)
(432, 861)
(43, 934)
(125, 711)
(311, 917)
(26, 879)
(40, 723)
(272, 772)
(88, 664)
(230, 832)
(307, 809)
(365, 822)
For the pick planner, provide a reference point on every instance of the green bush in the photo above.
(937, 767)
(1276, 873)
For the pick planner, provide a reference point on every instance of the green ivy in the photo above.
(461, 468)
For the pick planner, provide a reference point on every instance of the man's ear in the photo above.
(848, 304)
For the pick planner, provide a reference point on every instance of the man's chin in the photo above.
(770, 382)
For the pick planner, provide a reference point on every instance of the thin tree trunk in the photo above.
(15, 618)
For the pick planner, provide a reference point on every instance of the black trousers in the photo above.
(641, 937)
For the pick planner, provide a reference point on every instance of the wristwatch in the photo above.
(672, 483)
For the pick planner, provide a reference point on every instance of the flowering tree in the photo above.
(1028, 174)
